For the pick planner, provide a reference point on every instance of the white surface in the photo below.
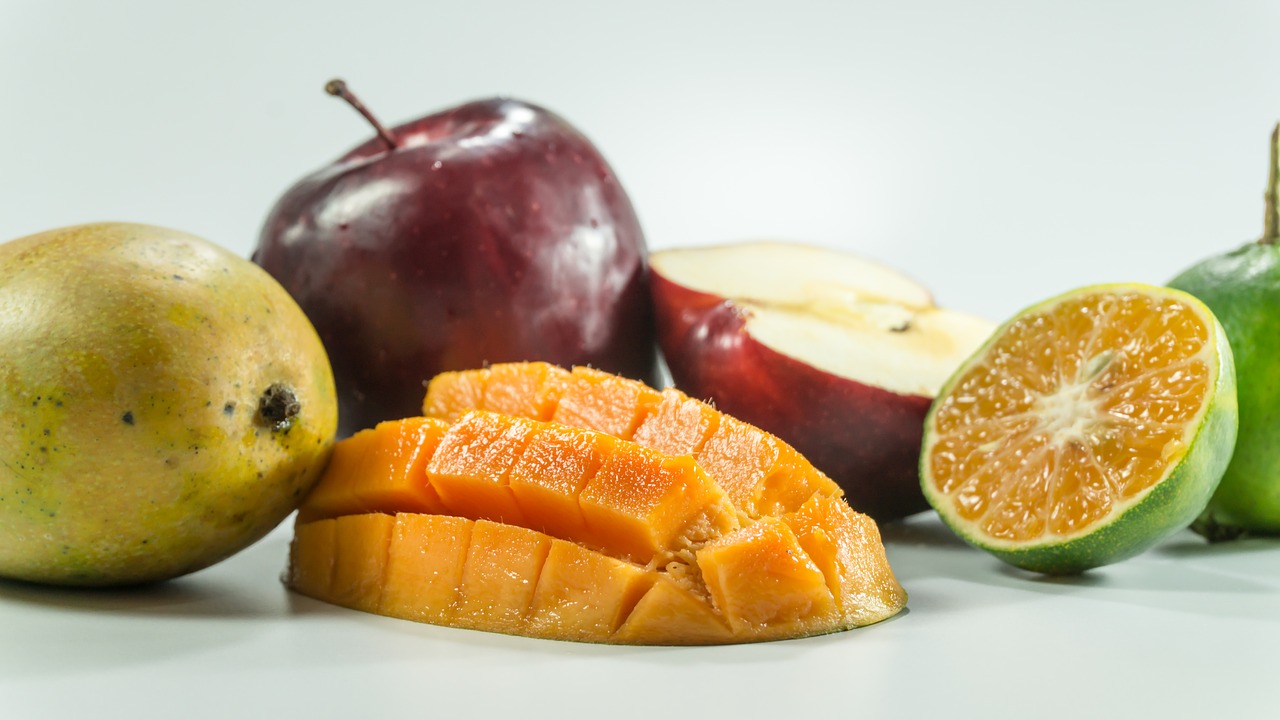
(998, 151)
(1185, 631)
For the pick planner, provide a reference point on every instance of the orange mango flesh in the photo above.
(530, 527)
(548, 478)
(761, 474)
(846, 547)
(761, 576)
(469, 471)
(608, 494)
(672, 614)
(597, 400)
(755, 583)
(423, 573)
(642, 503)
(383, 465)
(500, 576)
(1068, 421)
(360, 549)
(585, 595)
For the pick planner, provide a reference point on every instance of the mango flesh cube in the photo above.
(332, 495)
(584, 595)
(740, 458)
(548, 478)
(531, 390)
(640, 501)
(424, 567)
(381, 469)
(605, 403)
(500, 576)
(470, 466)
(450, 395)
(758, 471)
(760, 576)
(392, 476)
(311, 558)
(359, 557)
(790, 482)
(669, 614)
(679, 425)
(846, 547)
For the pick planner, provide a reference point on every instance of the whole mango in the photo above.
(165, 405)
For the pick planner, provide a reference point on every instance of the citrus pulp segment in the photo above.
(1085, 430)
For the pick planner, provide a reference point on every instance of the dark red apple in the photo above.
(491, 232)
(839, 356)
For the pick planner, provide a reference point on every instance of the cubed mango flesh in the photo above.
(672, 614)
(385, 468)
(761, 474)
(550, 475)
(311, 556)
(469, 471)
(585, 595)
(359, 559)
(424, 567)
(606, 403)
(760, 577)
(500, 576)
(640, 501)
(580, 506)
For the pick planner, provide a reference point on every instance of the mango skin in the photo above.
(133, 360)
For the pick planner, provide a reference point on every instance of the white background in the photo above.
(998, 151)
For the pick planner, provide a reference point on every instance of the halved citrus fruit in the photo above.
(1085, 430)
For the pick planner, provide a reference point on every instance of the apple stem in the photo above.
(338, 88)
(1271, 222)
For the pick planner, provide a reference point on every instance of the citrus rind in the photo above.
(1242, 288)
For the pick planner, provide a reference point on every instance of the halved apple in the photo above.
(835, 354)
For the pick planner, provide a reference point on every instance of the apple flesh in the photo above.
(836, 355)
(491, 232)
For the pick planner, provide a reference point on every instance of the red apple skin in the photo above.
(492, 232)
(866, 438)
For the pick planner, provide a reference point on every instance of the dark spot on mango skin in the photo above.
(277, 407)
(127, 417)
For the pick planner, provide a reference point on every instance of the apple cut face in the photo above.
(837, 355)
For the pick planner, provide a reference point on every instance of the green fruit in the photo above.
(1243, 289)
(166, 404)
